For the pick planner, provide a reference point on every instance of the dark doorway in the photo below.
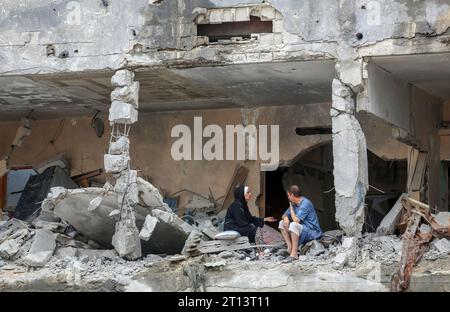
(313, 173)
(387, 180)
(276, 199)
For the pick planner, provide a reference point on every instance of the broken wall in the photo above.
(412, 114)
(151, 143)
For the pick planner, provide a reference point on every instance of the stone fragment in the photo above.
(122, 78)
(340, 260)
(443, 245)
(148, 227)
(122, 113)
(127, 94)
(119, 147)
(115, 163)
(42, 249)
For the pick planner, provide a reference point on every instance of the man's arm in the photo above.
(293, 215)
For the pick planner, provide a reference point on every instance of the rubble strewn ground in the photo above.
(369, 263)
(62, 250)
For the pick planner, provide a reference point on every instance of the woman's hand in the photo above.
(270, 219)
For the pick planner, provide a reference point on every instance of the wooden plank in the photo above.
(418, 203)
(239, 176)
(417, 164)
(223, 245)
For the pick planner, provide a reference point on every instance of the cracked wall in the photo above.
(142, 34)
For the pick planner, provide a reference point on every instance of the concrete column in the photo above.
(350, 160)
(122, 114)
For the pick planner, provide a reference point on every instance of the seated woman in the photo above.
(239, 218)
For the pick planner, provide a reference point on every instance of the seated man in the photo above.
(299, 223)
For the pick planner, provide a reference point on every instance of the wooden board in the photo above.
(239, 176)
(215, 246)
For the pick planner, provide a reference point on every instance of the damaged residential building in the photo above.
(91, 197)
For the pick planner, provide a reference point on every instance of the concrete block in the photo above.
(148, 227)
(340, 260)
(115, 163)
(128, 94)
(42, 249)
(122, 113)
(443, 245)
(9, 248)
(125, 180)
(389, 222)
(126, 240)
(348, 242)
(122, 78)
(126, 184)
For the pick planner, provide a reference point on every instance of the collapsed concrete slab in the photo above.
(41, 250)
(72, 206)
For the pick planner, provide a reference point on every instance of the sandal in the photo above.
(289, 259)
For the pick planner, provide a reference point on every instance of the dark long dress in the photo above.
(239, 218)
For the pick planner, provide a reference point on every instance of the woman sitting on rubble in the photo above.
(239, 218)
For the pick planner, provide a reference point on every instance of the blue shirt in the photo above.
(306, 212)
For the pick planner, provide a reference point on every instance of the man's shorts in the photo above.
(293, 227)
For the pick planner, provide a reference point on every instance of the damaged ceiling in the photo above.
(267, 84)
(429, 72)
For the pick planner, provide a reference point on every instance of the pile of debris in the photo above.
(420, 229)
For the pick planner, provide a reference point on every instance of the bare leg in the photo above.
(287, 238)
(294, 245)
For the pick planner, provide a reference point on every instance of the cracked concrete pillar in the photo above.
(350, 160)
(122, 114)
